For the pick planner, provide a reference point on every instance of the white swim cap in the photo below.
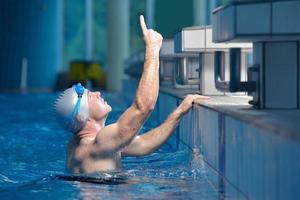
(72, 108)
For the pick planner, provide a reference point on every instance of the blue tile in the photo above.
(288, 166)
(166, 105)
(270, 167)
(249, 23)
(261, 164)
(286, 17)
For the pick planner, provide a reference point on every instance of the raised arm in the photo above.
(147, 91)
(118, 135)
(152, 140)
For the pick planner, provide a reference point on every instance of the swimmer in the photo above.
(97, 147)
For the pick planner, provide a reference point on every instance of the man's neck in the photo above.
(89, 131)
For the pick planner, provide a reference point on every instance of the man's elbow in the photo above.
(150, 107)
(145, 148)
(143, 152)
(147, 108)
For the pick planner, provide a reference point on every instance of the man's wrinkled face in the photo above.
(98, 107)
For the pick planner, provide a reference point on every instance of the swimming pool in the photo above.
(32, 160)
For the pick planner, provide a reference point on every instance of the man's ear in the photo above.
(81, 118)
(88, 119)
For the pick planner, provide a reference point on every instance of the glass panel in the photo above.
(224, 2)
(74, 30)
(100, 30)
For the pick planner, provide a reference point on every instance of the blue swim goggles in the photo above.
(79, 89)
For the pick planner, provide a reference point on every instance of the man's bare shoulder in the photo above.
(108, 132)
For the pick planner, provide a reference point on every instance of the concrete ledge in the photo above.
(280, 122)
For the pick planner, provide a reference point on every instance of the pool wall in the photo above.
(259, 163)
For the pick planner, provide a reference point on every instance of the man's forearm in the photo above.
(147, 91)
(148, 88)
(156, 137)
(133, 118)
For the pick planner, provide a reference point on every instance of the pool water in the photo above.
(32, 160)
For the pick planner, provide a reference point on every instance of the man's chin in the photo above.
(109, 109)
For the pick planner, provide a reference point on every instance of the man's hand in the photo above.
(187, 103)
(152, 39)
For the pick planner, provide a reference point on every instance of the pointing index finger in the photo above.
(143, 24)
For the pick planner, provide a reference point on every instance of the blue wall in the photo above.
(30, 29)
